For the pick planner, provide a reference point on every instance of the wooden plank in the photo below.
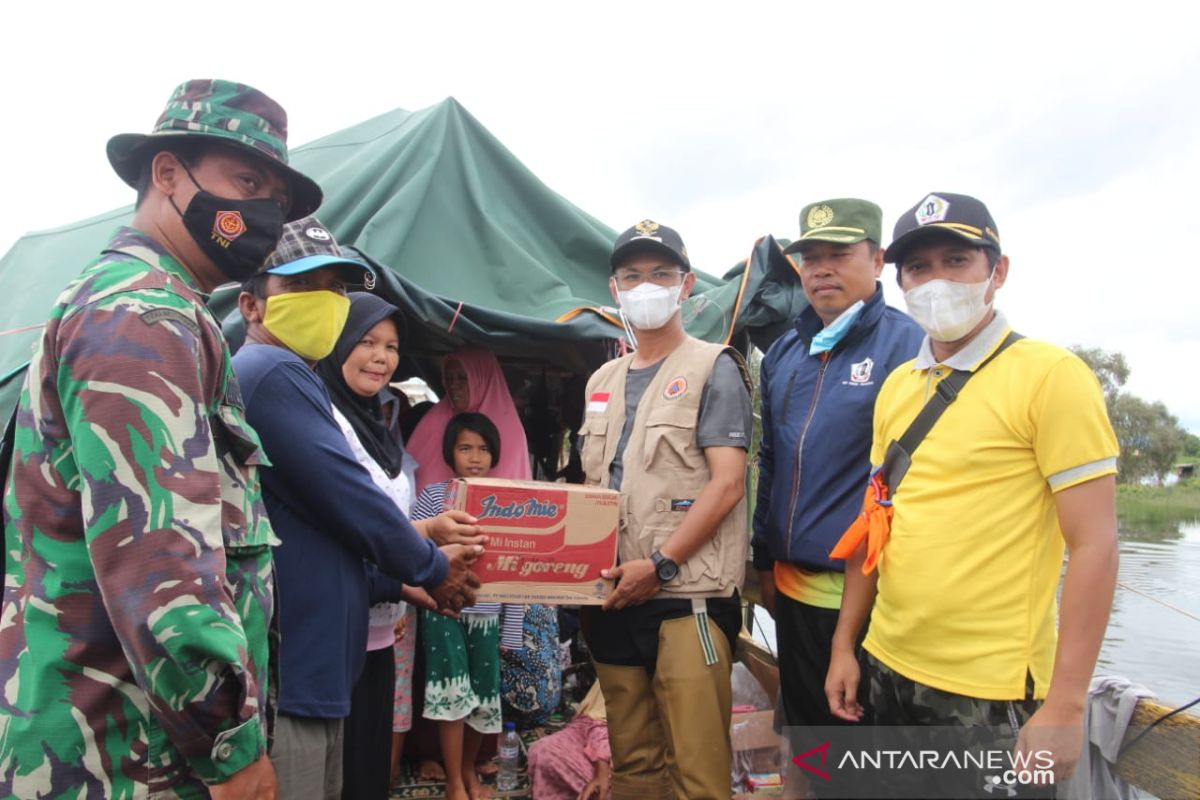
(1166, 762)
(760, 662)
(751, 591)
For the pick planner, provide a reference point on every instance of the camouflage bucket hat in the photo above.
(229, 112)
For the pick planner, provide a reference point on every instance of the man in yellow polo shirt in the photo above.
(963, 628)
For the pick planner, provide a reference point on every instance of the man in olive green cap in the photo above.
(818, 384)
(139, 601)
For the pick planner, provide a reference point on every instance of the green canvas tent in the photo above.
(474, 249)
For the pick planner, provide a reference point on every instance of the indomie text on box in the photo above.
(547, 542)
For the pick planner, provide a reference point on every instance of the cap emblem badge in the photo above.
(932, 209)
(646, 227)
(819, 216)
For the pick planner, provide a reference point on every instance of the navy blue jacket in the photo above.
(330, 518)
(816, 432)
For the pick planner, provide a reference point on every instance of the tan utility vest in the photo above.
(663, 467)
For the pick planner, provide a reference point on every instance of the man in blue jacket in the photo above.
(819, 383)
(326, 510)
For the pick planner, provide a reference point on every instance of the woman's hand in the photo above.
(453, 527)
(597, 787)
(416, 596)
(457, 591)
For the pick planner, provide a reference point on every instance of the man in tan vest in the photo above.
(668, 426)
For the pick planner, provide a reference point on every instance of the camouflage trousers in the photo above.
(949, 721)
(898, 700)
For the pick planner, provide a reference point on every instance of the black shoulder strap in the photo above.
(900, 452)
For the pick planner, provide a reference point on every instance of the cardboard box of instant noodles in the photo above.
(547, 542)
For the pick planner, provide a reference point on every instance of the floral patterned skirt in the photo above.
(462, 669)
(405, 649)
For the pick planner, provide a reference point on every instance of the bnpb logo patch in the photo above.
(861, 372)
(229, 225)
(676, 388)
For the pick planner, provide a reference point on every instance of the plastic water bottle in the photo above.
(510, 756)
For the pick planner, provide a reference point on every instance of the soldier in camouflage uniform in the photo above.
(139, 586)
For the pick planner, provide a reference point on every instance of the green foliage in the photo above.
(1191, 447)
(1150, 437)
(1152, 511)
(1111, 369)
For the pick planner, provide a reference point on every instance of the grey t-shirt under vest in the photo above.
(726, 417)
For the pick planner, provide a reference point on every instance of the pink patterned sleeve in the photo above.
(596, 746)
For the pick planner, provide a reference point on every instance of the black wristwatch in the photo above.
(665, 568)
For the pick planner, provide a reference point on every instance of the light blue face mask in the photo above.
(832, 333)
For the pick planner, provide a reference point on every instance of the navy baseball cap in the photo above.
(942, 212)
(648, 235)
(306, 245)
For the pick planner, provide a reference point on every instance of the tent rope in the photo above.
(454, 319)
(24, 329)
(1152, 598)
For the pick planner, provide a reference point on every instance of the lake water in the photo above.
(1146, 642)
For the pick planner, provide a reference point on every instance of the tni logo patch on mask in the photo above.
(228, 226)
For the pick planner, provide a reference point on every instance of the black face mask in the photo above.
(237, 235)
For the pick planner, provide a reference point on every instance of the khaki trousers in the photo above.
(669, 733)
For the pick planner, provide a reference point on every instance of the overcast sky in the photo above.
(1078, 126)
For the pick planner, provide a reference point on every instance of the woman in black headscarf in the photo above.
(357, 374)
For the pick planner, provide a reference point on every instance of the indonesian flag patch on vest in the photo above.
(598, 403)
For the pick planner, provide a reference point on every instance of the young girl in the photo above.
(462, 657)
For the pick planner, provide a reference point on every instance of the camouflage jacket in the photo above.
(139, 586)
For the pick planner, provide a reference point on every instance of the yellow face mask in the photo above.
(307, 323)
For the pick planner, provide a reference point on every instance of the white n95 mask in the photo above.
(948, 310)
(649, 306)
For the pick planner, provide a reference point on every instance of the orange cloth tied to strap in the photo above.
(874, 524)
